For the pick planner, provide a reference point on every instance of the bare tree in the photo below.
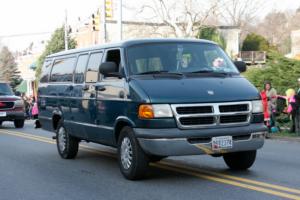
(187, 17)
(240, 13)
(183, 17)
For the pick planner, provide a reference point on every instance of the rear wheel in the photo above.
(19, 123)
(133, 161)
(240, 160)
(67, 145)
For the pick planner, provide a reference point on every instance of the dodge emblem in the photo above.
(210, 92)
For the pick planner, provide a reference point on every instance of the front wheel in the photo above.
(240, 160)
(19, 123)
(132, 160)
(67, 145)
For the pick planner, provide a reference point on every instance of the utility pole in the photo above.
(66, 30)
(120, 19)
(102, 32)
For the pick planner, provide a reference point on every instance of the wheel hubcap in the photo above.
(62, 139)
(126, 153)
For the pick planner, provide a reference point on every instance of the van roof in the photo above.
(127, 43)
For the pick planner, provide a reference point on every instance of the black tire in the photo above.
(1, 123)
(19, 123)
(240, 160)
(67, 145)
(138, 166)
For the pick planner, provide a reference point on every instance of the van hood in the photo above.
(197, 90)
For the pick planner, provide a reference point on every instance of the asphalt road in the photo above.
(31, 169)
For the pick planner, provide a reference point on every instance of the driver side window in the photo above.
(113, 55)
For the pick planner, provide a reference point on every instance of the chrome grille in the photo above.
(197, 120)
(194, 110)
(214, 114)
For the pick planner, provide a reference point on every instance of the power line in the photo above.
(24, 34)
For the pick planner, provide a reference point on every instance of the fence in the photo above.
(253, 57)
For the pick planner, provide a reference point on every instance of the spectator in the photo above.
(265, 107)
(298, 92)
(272, 98)
(290, 96)
(26, 105)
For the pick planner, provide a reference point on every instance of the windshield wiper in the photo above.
(160, 72)
(210, 72)
(203, 71)
(2, 93)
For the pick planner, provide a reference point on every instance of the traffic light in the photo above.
(95, 22)
(108, 9)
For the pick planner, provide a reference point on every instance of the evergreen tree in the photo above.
(211, 33)
(8, 68)
(282, 72)
(254, 42)
(56, 44)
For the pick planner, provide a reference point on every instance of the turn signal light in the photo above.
(146, 112)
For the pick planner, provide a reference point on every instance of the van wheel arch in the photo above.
(55, 121)
(118, 127)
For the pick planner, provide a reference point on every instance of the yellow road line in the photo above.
(208, 175)
(259, 183)
(228, 182)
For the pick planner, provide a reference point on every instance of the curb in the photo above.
(283, 138)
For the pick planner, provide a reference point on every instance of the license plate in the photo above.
(2, 114)
(223, 142)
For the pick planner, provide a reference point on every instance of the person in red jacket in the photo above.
(264, 99)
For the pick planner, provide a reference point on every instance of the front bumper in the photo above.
(175, 142)
(12, 115)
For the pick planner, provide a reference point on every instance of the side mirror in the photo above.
(109, 69)
(241, 66)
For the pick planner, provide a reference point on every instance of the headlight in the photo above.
(147, 111)
(19, 103)
(257, 106)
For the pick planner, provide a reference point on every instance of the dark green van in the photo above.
(150, 99)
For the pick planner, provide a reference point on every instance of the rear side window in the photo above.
(92, 74)
(62, 70)
(80, 68)
(46, 71)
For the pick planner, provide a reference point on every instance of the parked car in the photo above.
(11, 106)
(151, 99)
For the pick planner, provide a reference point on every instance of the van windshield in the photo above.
(185, 57)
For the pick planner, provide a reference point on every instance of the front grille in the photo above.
(212, 114)
(6, 105)
(233, 119)
(188, 121)
(233, 108)
(194, 110)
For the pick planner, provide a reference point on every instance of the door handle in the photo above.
(100, 88)
(85, 87)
